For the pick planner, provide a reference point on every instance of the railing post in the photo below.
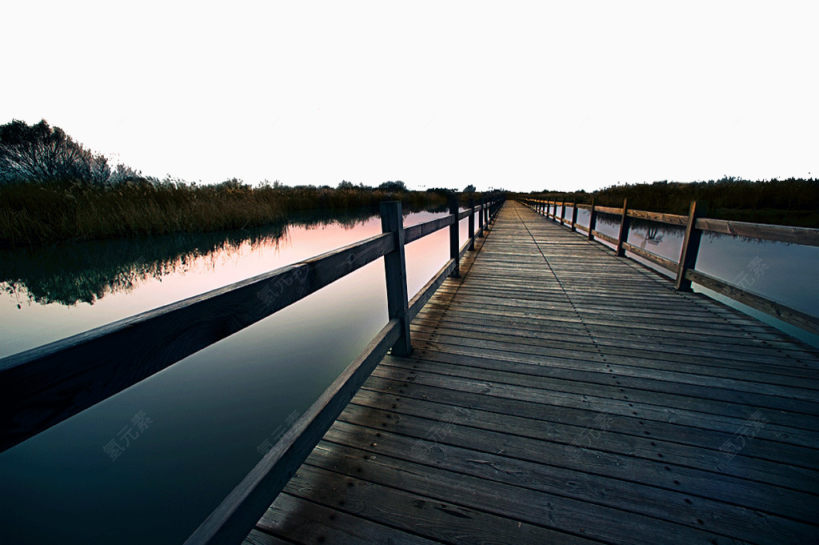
(480, 216)
(574, 215)
(690, 249)
(453, 236)
(623, 236)
(395, 269)
(592, 221)
(562, 212)
(471, 224)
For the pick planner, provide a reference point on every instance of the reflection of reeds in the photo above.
(43, 213)
(84, 271)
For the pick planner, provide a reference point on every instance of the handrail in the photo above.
(45, 385)
(423, 229)
(235, 516)
(780, 233)
(684, 268)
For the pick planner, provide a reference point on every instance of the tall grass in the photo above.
(786, 202)
(40, 213)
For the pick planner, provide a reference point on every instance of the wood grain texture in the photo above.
(650, 256)
(780, 233)
(423, 229)
(778, 310)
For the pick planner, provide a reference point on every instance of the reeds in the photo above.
(785, 202)
(37, 213)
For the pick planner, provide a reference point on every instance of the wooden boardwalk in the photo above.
(558, 394)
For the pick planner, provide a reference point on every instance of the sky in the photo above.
(515, 95)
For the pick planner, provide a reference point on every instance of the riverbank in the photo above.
(37, 213)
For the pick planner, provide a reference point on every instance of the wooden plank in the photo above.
(654, 258)
(466, 452)
(307, 522)
(379, 494)
(423, 229)
(807, 236)
(45, 385)
(238, 512)
(624, 436)
(604, 236)
(608, 210)
(543, 416)
(512, 503)
(659, 217)
(777, 310)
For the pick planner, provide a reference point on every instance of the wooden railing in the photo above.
(684, 268)
(43, 386)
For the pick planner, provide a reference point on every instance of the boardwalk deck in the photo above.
(558, 394)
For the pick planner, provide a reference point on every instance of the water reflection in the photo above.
(196, 428)
(84, 272)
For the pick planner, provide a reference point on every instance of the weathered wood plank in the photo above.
(778, 310)
(780, 233)
(423, 229)
(671, 219)
(654, 258)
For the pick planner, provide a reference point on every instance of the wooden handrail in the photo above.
(45, 385)
(670, 219)
(423, 229)
(779, 233)
(778, 310)
(684, 269)
(236, 515)
(230, 522)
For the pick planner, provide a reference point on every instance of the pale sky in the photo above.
(519, 95)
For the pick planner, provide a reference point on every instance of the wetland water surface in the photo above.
(149, 464)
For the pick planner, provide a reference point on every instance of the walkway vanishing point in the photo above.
(573, 397)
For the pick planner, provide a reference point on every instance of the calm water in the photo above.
(150, 463)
